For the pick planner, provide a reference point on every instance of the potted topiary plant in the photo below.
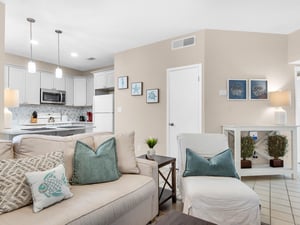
(277, 147)
(247, 149)
(151, 142)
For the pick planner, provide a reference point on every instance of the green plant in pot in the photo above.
(247, 149)
(277, 147)
(151, 142)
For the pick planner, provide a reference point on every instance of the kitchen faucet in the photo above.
(51, 119)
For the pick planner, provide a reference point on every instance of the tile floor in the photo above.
(279, 196)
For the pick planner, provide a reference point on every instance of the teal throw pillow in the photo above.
(97, 166)
(219, 165)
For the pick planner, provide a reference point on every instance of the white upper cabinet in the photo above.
(79, 91)
(16, 80)
(32, 88)
(104, 79)
(48, 81)
(90, 92)
(69, 90)
(28, 84)
(5, 76)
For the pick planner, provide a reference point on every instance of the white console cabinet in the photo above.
(234, 133)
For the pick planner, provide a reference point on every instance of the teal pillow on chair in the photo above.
(97, 166)
(219, 165)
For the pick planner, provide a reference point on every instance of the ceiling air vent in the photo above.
(183, 42)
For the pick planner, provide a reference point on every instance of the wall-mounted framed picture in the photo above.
(136, 88)
(258, 89)
(152, 95)
(237, 89)
(123, 82)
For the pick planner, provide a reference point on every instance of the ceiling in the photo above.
(102, 28)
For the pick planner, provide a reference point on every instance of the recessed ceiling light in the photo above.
(34, 42)
(74, 54)
(91, 58)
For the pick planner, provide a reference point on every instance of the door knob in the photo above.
(171, 124)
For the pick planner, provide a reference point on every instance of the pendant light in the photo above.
(58, 71)
(31, 63)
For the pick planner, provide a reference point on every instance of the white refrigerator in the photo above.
(103, 113)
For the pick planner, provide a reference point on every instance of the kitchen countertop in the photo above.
(38, 128)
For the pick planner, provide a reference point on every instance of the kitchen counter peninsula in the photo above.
(57, 129)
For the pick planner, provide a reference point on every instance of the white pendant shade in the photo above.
(58, 73)
(31, 67)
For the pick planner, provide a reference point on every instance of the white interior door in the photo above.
(184, 113)
(297, 106)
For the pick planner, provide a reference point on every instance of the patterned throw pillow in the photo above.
(48, 187)
(14, 191)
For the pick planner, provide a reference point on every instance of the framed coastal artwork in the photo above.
(237, 89)
(136, 88)
(258, 89)
(123, 82)
(152, 95)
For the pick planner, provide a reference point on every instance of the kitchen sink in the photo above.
(38, 128)
(71, 127)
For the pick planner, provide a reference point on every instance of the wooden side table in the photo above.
(166, 194)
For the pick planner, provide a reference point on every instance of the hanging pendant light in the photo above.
(58, 71)
(31, 63)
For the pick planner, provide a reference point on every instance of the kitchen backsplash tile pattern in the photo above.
(22, 114)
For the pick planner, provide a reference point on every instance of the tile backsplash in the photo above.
(22, 114)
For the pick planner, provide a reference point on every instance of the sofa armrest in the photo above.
(148, 168)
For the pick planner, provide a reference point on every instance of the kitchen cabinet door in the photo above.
(32, 88)
(59, 83)
(16, 80)
(47, 80)
(89, 91)
(104, 79)
(79, 91)
(69, 81)
(5, 76)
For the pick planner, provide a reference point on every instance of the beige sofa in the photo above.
(130, 200)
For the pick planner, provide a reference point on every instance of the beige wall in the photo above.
(294, 47)
(2, 29)
(225, 55)
(11, 59)
(244, 55)
(148, 64)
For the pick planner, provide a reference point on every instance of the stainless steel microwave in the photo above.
(51, 96)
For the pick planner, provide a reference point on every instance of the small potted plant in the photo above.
(247, 149)
(151, 142)
(277, 147)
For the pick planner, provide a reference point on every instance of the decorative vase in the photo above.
(246, 163)
(150, 154)
(276, 162)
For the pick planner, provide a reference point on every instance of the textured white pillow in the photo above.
(14, 191)
(48, 187)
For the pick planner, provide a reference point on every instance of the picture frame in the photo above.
(258, 89)
(152, 95)
(123, 82)
(137, 88)
(237, 89)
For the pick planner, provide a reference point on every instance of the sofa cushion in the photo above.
(14, 190)
(6, 150)
(95, 166)
(48, 187)
(30, 145)
(99, 204)
(125, 150)
(219, 165)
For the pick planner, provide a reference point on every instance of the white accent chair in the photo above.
(220, 200)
